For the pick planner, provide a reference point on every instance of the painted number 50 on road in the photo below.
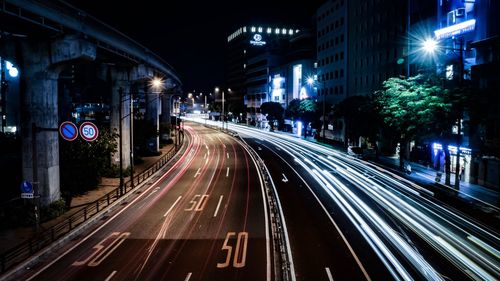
(89, 131)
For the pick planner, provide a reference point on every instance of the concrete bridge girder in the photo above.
(41, 65)
(122, 79)
(120, 87)
(144, 74)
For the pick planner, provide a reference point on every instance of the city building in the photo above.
(332, 61)
(254, 56)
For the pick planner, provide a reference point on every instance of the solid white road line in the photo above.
(188, 276)
(110, 276)
(227, 173)
(330, 277)
(175, 203)
(218, 205)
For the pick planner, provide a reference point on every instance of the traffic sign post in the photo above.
(26, 190)
(68, 131)
(89, 131)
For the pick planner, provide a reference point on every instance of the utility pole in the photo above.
(3, 95)
(131, 140)
(459, 117)
(120, 93)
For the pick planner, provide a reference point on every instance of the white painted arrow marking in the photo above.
(284, 178)
(197, 173)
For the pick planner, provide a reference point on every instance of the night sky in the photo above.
(190, 35)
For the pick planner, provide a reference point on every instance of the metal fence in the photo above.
(47, 236)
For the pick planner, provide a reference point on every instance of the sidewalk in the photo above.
(13, 237)
(427, 175)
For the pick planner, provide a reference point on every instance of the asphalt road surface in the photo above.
(204, 219)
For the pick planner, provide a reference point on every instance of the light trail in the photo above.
(465, 243)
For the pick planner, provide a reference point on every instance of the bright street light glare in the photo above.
(156, 82)
(430, 45)
(310, 81)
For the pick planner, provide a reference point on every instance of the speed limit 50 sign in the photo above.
(89, 131)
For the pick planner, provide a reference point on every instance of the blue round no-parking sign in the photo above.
(68, 131)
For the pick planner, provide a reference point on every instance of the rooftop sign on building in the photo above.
(456, 29)
(257, 40)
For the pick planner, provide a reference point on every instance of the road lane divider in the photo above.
(188, 276)
(329, 274)
(111, 275)
(227, 173)
(218, 205)
(171, 207)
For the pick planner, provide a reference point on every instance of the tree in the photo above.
(410, 106)
(293, 110)
(457, 100)
(82, 163)
(305, 110)
(273, 111)
(144, 132)
(359, 117)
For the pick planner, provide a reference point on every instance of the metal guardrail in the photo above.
(281, 251)
(46, 237)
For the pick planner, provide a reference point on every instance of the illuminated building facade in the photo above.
(332, 60)
(252, 53)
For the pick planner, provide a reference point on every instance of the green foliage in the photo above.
(113, 171)
(305, 110)
(273, 110)
(83, 163)
(236, 108)
(144, 130)
(359, 115)
(53, 210)
(411, 106)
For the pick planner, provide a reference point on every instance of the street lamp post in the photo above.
(431, 46)
(217, 89)
(120, 94)
(131, 140)
(312, 81)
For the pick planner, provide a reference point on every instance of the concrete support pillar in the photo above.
(152, 114)
(40, 67)
(166, 100)
(40, 151)
(121, 86)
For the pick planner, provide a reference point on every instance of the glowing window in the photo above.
(253, 29)
(449, 72)
(283, 31)
(277, 31)
(244, 29)
(269, 30)
(259, 29)
(290, 31)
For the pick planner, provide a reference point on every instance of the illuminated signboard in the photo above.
(456, 29)
(257, 40)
